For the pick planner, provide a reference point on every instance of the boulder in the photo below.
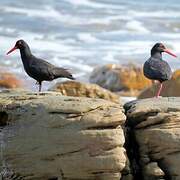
(9, 80)
(170, 88)
(154, 125)
(117, 78)
(48, 136)
(79, 89)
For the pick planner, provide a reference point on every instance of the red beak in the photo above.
(169, 52)
(13, 49)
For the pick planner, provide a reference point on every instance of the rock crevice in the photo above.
(49, 136)
(154, 125)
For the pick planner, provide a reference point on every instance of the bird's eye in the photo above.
(20, 44)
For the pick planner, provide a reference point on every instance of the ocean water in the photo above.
(81, 34)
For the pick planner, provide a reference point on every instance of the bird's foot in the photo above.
(39, 84)
(157, 96)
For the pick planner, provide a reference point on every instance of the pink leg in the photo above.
(159, 91)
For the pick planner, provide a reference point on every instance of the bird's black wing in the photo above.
(157, 70)
(46, 71)
(61, 72)
(41, 70)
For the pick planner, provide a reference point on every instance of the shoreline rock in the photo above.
(49, 136)
(120, 77)
(9, 80)
(80, 89)
(154, 125)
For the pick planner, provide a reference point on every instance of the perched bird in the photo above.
(155, 68)
(37, 68)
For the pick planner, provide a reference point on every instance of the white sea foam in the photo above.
(84, 3)
(110, 57)
(128, 47)
(136, 26)
(94, 4)
(87, 37)
(34, 40)
(7, 30)
(108, 19)
(32, 12)
(169, 35)
(57, 47)
(52, 15)
(77, 65)
(155, 14)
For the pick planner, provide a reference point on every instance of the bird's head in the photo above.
(159, 47)
(20, 44)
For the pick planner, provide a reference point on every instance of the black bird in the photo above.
(155, 68)
(37, 68)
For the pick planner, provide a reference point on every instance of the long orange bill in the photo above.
(13, 49)
(169, 52)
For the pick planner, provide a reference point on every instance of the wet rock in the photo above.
(171, 88)
(117, 78)
(79, 89)
(9, 80)
(155, 125)
(49, 136)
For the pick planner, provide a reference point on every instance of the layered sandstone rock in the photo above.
(79, 89)
(49, 136)
(154, 144)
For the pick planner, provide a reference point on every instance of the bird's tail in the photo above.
(61, 72)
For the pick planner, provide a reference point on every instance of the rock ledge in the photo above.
(49, 136)
(155, 128)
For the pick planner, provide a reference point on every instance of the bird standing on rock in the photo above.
(39, 69)
(155, 68)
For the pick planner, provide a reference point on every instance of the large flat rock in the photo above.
(155, 123)
(49, 136)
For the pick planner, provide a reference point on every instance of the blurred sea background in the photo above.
(81, 34)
